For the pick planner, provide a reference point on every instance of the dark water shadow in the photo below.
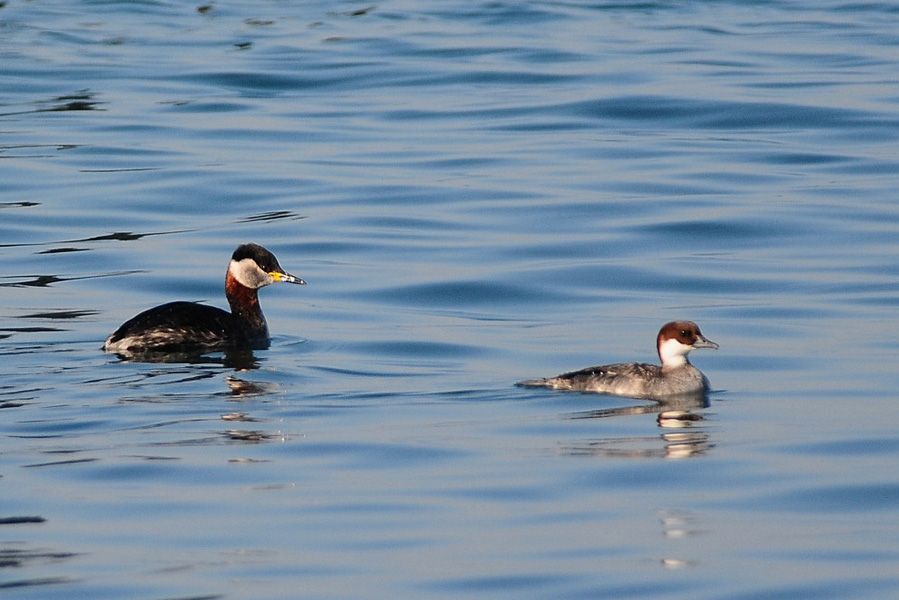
(82, 100)
(61, 314)
(17, 555)
(21, 583)
(48, 280)
(21, 520)
(23, 204)
(8, 331)
(58, 246)
(272, 215)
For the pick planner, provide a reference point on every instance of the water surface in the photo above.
(477, 193)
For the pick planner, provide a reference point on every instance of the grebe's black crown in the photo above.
(262, 257)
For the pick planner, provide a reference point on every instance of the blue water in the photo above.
(477, 193)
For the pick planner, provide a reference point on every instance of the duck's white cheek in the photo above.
(672, 352)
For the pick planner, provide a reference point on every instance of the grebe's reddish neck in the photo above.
(244, 303)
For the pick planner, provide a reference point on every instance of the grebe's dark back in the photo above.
(187, 325)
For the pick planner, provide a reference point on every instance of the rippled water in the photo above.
(477, 193)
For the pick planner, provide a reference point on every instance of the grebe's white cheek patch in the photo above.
(248, 274)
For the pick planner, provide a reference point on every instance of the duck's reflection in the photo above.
(673, 446)
(684, 404)
(680, 412)
(678, 525)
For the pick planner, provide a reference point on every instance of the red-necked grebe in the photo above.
(178, 326)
